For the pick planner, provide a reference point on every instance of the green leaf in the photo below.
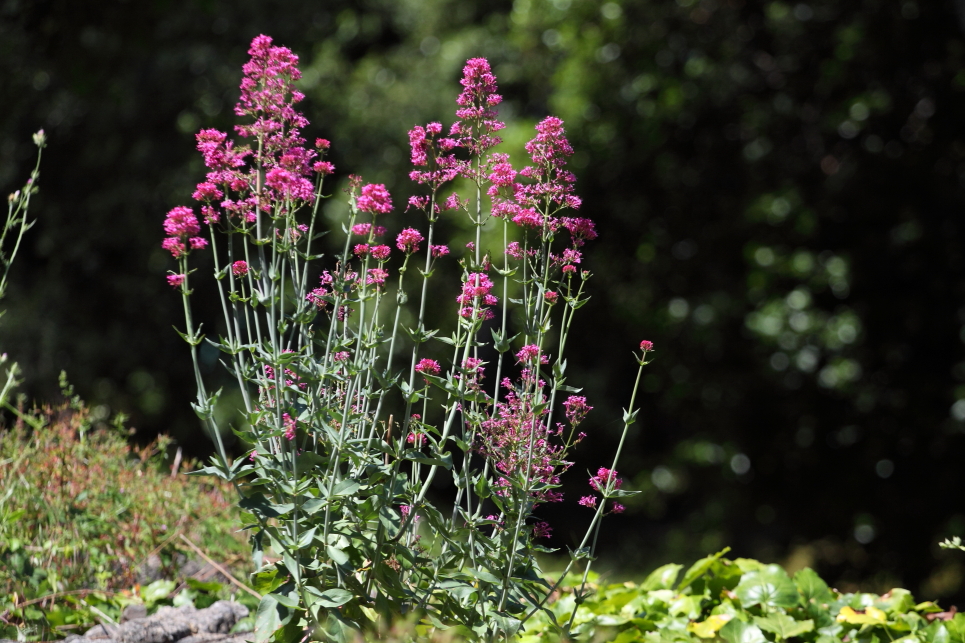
(700, 568)
(201, 586)
(812, 588)
(445, 459)
(621, 493)
(483, 576)
(768, 587)
(305, 538)
(783, 626)
(938, 633)
(270, 617)
(288, 600)
(259, 504)
(346, 487)
(737, 631)
(390, 520)
(312, 506)
(338, 556)
(483, 489)
(662, 577)
(267, 581)
(157, 590)
(335, 597)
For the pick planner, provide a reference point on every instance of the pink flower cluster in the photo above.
(428, 149)
(529, 354)
(605, 478)
(377, 277)
(182, 228)
(505, 440)
(428, 366)
(408, 240)
(363, 230)
(317, 295)
(576, 409)
(475, 131)
(289, 423)
(268, 96)
(476, 296)
(374, 198)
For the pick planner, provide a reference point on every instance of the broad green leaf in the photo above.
(812, 588)
(346, 487)
(483, 576)
(270, 617)
(689, 606)
(267, 581)
(708, 629)
(288, 600)
(898, 601)
(783, 626)
(937, 633)
(338, 556)
(309, 461)
(335, 597)
(632, 635)
(202, 586)
(157, 590)
(737, 631)
(662, 578)
(391, 520)
(312, 506)
(258, 504)
(768, 587)
(700, 568)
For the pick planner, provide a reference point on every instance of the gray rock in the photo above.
(133, 613)
(170, 624)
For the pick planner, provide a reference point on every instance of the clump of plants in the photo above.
(352, 411)
(81, 511)
(742, 601)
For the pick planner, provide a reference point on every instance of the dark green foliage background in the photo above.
(722, 145)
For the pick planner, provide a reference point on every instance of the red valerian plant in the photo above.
(333, 483)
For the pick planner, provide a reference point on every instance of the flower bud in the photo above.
(40, 139)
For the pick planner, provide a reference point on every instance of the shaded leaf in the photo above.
(769, 587)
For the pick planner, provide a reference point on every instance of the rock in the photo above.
(170, 624)
(133, 613)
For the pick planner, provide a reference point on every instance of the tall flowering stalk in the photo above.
(350, 423)
(14, 229)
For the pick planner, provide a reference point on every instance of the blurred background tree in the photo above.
(777, 186)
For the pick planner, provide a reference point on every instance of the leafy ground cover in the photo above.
(81, 511)
(744, 601)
